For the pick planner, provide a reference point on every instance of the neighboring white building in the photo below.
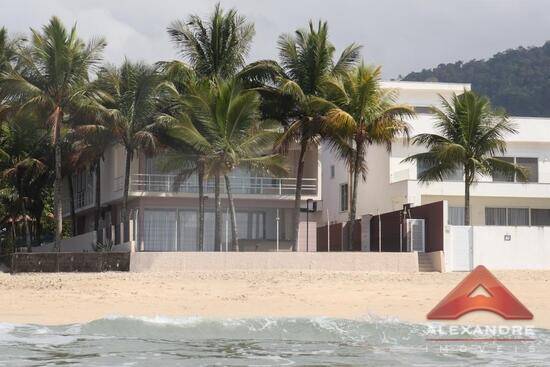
(391, 183)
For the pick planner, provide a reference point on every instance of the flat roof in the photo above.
(435, 86)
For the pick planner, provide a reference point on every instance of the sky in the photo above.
(400, 35)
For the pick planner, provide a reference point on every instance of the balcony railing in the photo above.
(158, 183)
(82, 199)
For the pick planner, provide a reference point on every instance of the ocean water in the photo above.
(163, 341)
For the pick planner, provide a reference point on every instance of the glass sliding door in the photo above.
(159, 230)
(209, 227)
(188, 230)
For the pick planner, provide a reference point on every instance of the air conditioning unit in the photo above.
(416, 235)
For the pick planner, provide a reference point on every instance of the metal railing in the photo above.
(82, 199)
(165, 183)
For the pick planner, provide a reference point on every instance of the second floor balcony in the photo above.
(162, 184)
(82, 200)
(454, 186)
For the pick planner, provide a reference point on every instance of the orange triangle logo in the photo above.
(461, 299)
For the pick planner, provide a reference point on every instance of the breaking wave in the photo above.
(196, 341)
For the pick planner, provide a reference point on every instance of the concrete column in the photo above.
(365, 232)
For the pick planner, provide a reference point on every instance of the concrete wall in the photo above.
(69, 262)
(527, 248)
(82, 243)
(438, 260)
(307, 237)
(196, 261)
(498, 247)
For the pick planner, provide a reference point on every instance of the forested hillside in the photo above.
(518, 80)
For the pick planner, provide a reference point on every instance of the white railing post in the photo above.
(131, 230)
(261, 185)
(121, 233)
(277, 219)
(112, 233)
(280, 186)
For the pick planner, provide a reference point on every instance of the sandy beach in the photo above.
(74, 298)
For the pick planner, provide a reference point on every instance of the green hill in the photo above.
(518, 80)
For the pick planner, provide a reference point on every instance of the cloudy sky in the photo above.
(402, 35)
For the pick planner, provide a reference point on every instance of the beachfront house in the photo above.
(165, 215)
(495, 200)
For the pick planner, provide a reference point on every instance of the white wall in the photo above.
(528, 248)
(81, 243)
(502, 248)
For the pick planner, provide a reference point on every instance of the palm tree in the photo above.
(8, 50)
(216, 49)
(129, 96)
(52, 75)
(223, 123)
(21, 165)
(372, 117)
(471, 133)
(89, 145)
(181, 158)
(307, 61)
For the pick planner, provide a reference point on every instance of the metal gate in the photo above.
(416, 239)
(461, 249)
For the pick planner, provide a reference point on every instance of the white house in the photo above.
(391, 183)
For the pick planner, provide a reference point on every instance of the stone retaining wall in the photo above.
(52, 262)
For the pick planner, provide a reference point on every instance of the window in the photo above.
(518, 216)
(456, 175)
(529, 164)
(495, 216)
(501, 177)
(507, 216)
(421, 167)
(83, 188)
(344, 197)
(257, 227)
(540, 217)
(188, 230)
(332, 171)
(159, 230)
(423, 109)
(515, 217)
(456, 216)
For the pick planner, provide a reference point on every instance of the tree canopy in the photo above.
(517, 80)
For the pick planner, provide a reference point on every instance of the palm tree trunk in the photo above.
(353, 206)
(97, 195)
(200, 176)
(467, 184)
(298, 195)
(27, 229)
(125, 195)
(13, 230)
(234, 234)
(217, 214)
(58, 209)
(71, 204)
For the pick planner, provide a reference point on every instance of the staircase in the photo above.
(425, 263)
